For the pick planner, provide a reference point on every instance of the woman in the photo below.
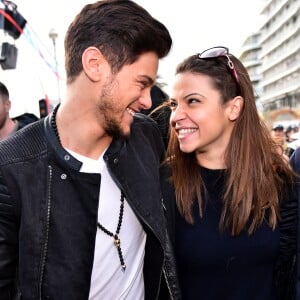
(235, 219)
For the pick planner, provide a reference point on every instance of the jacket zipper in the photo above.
(45, 249)
(165, 268)
(168, 285)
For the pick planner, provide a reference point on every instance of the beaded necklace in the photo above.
(115, 236)
(117, 241)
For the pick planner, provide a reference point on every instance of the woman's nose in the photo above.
(177, 115)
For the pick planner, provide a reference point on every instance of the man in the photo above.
(9, 126)
(278, 135)
(81, 215)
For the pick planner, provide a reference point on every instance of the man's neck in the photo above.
(81, 136)
(9, 128)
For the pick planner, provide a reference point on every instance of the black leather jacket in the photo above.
(295, 163)
(48, 212)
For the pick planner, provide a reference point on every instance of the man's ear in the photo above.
(94, 64)
(7, 105)
(235, 107)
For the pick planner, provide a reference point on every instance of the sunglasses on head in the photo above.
(220, 51)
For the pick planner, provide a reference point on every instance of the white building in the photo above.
(280, 55)
(249, 55)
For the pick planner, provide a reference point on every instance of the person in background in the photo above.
(233, 219)
(278, 133)
(160, 116)
(292, 139)
(81, 215)
(290, 131)
(8, 125)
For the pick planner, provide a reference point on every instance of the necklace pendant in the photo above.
(117, 242)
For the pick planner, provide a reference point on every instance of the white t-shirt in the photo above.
(108, 281)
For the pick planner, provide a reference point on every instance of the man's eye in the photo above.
(142, 85)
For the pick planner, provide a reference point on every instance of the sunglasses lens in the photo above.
(217, 52)
(213, 52)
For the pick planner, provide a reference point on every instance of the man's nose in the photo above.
(145, 99)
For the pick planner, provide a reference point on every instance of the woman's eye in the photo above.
(193, 100)
(172, 104)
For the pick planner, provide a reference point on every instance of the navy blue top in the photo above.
(217, 266)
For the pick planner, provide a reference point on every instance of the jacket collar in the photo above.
(54, 143)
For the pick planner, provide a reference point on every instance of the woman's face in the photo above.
(202, 122)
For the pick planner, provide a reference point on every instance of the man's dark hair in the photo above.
(121, 29)
(278, 128)
(4, 92)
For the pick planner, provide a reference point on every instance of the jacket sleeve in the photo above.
(286, 268)
(295, 163)
(169, 202)
(8, 243)
(170, 267)
(286, 265)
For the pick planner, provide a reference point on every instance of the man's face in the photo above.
(126, 93)
(4, 111)
(277, 133)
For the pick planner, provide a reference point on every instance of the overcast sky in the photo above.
(195, 25)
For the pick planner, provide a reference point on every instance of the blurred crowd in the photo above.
(288, 138)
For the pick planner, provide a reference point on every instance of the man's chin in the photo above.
(126, 132)
(119, 132)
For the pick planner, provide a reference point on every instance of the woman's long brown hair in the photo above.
(256, 174)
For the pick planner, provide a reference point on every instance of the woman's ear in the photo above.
(235, 107)
(94, 64)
